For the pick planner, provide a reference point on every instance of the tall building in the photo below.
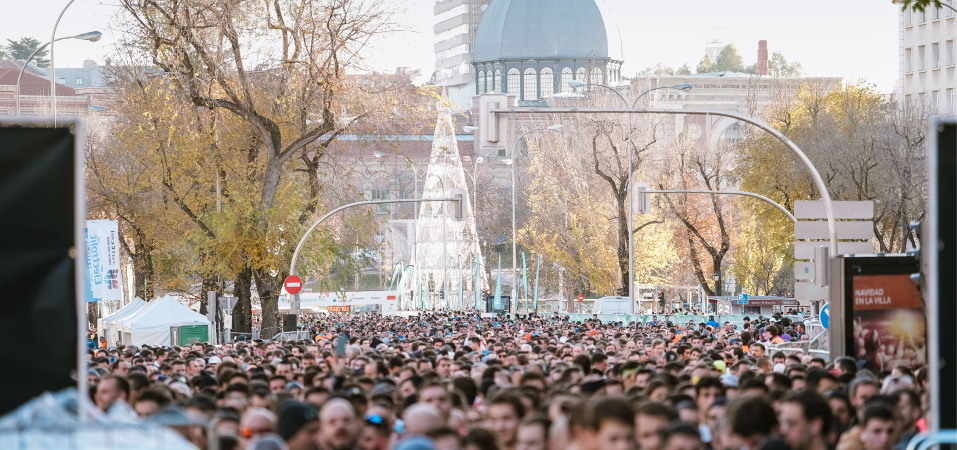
(927, 72)
(456, 22)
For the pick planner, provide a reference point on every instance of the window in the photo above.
(514, 82)
(920, 58)
(566, 77)
(907, 61)
(934, 12)
(548, 82)
(949, 49)
(582, 75)
(481, 82)
(79, 82)
(950, 101)
(531, 85)
(934, 101)
(921, 16)
(907, 18)
(596, 76)
(62, 80)
(947, 11)
(489, 86)
(935, 55)
(381, 194)
(497, 82)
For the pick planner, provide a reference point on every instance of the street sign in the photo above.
(826, 316)
(814, 209)
(293, 284)
(742, 299)
(581, 297)
(805, 250)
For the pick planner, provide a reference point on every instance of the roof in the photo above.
(32, 84)
(14, 64)
(544, 29)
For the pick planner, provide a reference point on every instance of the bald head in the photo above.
(258, 419)
(420, 418)
(338, 425)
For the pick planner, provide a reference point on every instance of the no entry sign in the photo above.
(293, 284)
(581, 297)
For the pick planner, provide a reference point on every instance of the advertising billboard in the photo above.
(889, 325)
(880, 319)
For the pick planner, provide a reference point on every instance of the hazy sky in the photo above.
(848, 38)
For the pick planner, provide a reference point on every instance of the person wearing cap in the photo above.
(298, 425)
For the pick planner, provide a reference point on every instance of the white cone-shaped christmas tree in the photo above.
(438, 239)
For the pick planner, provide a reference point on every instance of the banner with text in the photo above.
(888, 322)
(102, 261)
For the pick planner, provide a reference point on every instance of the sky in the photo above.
(853, 39)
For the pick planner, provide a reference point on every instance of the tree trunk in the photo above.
(209, 284)
(143, 274)
(242, 311)
(623, 239)
(268, 287)
(718, 284)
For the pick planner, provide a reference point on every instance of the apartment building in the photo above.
(927, 69)
(455, 24)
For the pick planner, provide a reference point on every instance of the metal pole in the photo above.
(295, 255)
(818, 181)
(514, 304)
(25, 63)
(52, 65)
(747, 194)
(631, 213)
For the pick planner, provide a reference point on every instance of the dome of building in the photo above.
(532, 48)
(535, 29)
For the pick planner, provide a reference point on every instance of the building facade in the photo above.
(927, 57)
(532, 49)
(455, 24)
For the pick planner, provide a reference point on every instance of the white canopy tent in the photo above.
(113, 323)
(151, 324)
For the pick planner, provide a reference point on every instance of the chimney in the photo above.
(762, 57)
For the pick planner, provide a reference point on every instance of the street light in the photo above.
(558, 129)
(684, 87)
(92, 36)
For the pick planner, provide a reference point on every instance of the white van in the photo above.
(611, 305)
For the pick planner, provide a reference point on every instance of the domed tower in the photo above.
(533, 48)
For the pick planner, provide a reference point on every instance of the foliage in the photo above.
(21, 50)
(217, 162)
(706, 65)
(865, 149)
(918, 5)
(729, 60)
(778, 66)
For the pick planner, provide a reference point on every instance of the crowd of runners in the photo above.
(450, 381)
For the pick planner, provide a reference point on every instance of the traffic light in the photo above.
(442, 294)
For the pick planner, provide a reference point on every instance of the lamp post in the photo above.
(475, 174)
(92, 36)
(556, 128)
(415, 172)
(686, 87)
(53, 40)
